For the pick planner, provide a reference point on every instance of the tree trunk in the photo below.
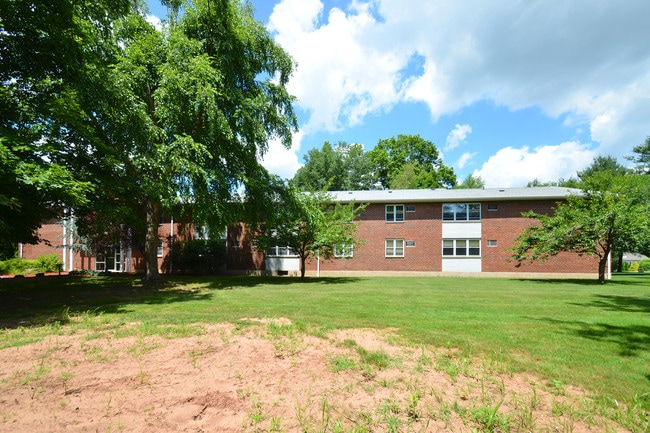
(602, 267)
(151, 274)
(619, 265)
(303, 261)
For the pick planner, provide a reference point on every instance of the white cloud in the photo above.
(586, 62)
(464, 159)
(282, 161)
(511, 167)
(154, 21)
(457, 136)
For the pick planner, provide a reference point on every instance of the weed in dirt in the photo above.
(378, 358)
(341, 363)
(65, 378)
(489, 419)
(276, 425)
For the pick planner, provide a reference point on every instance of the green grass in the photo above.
(565, 331)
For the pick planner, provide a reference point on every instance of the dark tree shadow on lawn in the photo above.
(40, 301)
(628, 304)
(631, 340)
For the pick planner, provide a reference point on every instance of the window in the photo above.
(343, 250)
(394, 247)
(410, 243)
(201, 232)
(394, 212)
(461, 247)
(493, 206)
(235, 244)
(160, 248)
(461, 212)
(279, 251)
(491, 243)
(410, 208)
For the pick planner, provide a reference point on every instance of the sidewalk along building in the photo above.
(416, 232)
(456, 231)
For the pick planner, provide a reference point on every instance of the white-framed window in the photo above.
(394, 247)
(278, 251)
(461, 212)
(410, 243)
(160, 251)
(394, 212)
(492, 243)
(461, 247)
(201, 233)
(493, 206)
(410, 208)
(343, 250)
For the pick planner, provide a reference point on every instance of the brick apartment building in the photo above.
(425, 232)
(448, 231)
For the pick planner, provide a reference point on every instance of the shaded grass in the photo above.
(566, 331)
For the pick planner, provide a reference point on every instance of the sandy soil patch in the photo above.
(266, 376)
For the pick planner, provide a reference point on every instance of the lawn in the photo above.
(565, 331)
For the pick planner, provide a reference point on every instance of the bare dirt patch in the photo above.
(266, 376)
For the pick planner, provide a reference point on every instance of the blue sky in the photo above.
(508, 90)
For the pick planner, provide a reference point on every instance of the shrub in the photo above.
(644, 265)
(49, 263)
(634, 267)
(18, 266)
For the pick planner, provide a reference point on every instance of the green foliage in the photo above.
(197, 257)
(308, 223)
(49, 263)
(409, 161)
(613, 208)
(470, 182)
(18, 266)
(644, 266)
(122, 121)
(642, 157)
(634, 267)
(341, 168)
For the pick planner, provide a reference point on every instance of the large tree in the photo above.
(46, 50)
(342, 167)
(309, 224)
(410, 161)
(171, 118)
(611, 209)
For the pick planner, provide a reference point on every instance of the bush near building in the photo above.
(18, 266)
(644, 265)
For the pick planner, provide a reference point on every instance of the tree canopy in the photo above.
(47, 48)
(308, 223)
(407, 161)
(613, 209)
(159, 119)
(642, 157)
(410, 161)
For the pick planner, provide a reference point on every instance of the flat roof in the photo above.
(453, 195)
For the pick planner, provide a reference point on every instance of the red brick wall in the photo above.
(505, 224)
(51, 232)
(424, 226)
